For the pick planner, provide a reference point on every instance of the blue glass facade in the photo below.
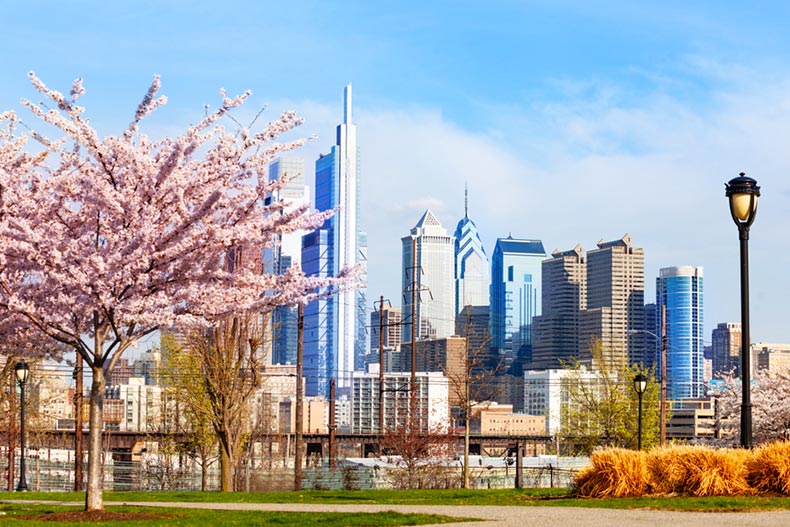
(472, 280)
(515, 297)
(680, 290)
(335, 340)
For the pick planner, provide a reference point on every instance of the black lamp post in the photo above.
(640, 385)
(22, 371)
(743, 193)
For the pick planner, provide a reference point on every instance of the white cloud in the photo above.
(655, 170)
(592, 167)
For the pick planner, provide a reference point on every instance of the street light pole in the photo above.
(662, 426)
(640, 385)
(743, 192)
(22, 371)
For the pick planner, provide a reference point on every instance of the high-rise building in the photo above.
(515, 297)
(679, 291)
(284, 253)
(472, 277)
(616, 302)
(445, 355)
(334, 327)
(769, 358)
(726, 344)
(428, 267)
(391, 324)
(473, 323)
(432, 399)
(556, 335)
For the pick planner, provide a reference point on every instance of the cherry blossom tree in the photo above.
(770, 407)
(105, 239)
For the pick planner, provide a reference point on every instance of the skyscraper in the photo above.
(515, 297)
(556, 334)
(726, 342)
(616, 301)
(428, 270)
(472, 276)
(679, 289)
(286, 252)
(391, 323)
(335, 338)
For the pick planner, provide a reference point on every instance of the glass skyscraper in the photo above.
(472, 278)
(515, 297)
(680, 290)
(286, 252)
(334, 328)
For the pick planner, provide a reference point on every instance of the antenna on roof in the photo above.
(466, 199)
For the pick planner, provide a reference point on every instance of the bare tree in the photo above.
(421, 455)
(474, 383)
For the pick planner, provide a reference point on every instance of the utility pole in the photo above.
(414, 289)
(413, 386)
(381, 368)
(78, 389)
(299, 398)
(332, 424)
(663, 402)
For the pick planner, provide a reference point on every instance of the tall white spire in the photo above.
(347, 104)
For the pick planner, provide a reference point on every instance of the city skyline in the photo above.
(571, 122)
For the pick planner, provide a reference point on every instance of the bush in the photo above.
(685, 470)
(769, 468)
(613, 473)
(698, 471)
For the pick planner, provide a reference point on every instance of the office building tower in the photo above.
(473, 323)
(652, 340)
(726, 343)
(334, 327)
(615, 303)
(284, 253)
(428, 268)
(472, 277)
(769, 358)
(556, 335)
(515, 298)
(391, 322)
(679, 291)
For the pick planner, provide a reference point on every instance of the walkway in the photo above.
(521, 516)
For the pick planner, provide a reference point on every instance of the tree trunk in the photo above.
(226, 469)
(93, 496)
(466, 448)
(204, 475)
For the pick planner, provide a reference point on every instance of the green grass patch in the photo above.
(525, 497)
(34, 515)
(382, 497)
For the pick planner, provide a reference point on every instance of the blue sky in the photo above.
(571, 121)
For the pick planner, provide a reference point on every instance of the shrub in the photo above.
(666, 471)
(613, 473)
(686, 470)
(769, 468)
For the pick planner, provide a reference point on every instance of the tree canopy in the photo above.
(105, 239)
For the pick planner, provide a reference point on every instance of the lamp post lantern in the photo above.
(22, 371)
(640, 385)
(742, 193)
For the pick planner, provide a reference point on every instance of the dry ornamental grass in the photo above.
(769, 468)
(683, 470)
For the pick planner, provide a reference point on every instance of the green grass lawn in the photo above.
(526, 497)
(19, 515)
